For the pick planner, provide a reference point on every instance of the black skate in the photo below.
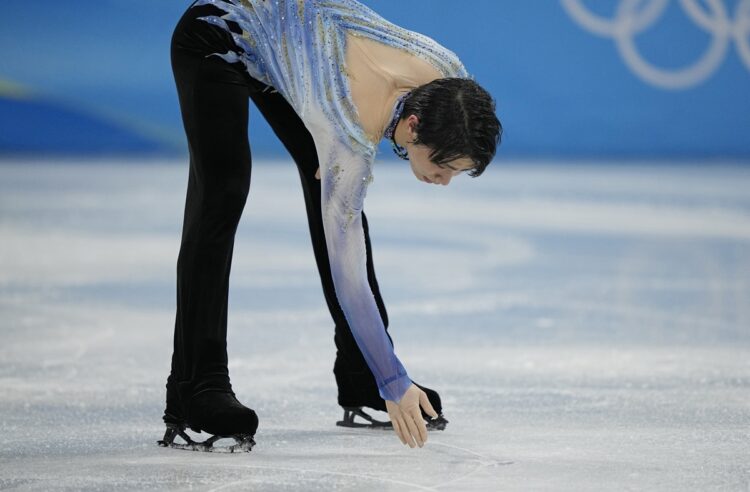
(218, 413)
(438, 423)
(350, 413)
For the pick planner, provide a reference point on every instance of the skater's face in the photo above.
(428, 172)
(421, 165)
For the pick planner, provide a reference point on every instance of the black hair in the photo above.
(456, 120)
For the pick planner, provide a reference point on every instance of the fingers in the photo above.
(408, 431)
(398, 427)
(407, 419)
(421, 427)
(425, 402)
(414, 434)
(317, 174)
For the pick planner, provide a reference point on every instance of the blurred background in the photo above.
(572, 78)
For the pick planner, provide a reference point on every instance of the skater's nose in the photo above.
(443, 177)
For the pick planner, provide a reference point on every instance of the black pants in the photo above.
(213, 97)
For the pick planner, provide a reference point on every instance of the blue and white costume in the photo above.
(299, 48)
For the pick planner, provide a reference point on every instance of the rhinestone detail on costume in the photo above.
(299, 48)
(391, 130)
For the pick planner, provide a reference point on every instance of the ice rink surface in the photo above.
(588, 328)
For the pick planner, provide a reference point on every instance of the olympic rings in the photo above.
(635, 16)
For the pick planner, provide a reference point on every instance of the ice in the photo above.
(587, 325)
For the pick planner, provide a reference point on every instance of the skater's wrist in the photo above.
(395, 389)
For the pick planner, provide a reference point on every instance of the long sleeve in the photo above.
(345, 176)
(299, 47)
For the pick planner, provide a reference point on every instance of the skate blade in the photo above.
(351, 412)
(359, 425)
(438, 423)
(235, 448)
(243, 442)
(244, 447)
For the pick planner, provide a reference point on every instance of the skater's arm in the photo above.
(344, 183)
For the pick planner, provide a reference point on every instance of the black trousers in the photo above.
(213, 96)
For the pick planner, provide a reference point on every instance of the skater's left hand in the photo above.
(407, 417)
(317, 173)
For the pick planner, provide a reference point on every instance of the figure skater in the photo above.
(332, 78)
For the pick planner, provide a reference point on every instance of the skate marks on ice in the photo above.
(295, 459)
(365, 459)
(483, 462)
(350, 457)
(545, 265)
(439, 465)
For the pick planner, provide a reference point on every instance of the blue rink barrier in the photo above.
(572, 78)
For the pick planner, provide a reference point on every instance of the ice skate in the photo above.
(439, 422)
(217, 413)
(243, 442)
(350, 413)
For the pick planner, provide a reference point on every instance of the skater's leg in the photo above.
(213, 97)
(356, 384)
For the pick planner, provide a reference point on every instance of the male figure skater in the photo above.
(332, 78)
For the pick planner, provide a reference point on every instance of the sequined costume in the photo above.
(298, 48)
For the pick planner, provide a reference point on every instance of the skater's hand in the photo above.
(407, 418)
(317, 173)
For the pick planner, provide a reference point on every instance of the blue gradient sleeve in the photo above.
(345, 176)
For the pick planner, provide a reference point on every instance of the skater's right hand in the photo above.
(407, 418)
